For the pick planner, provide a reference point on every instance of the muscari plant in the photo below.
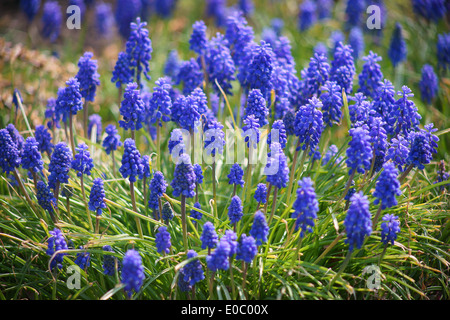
(231, 245)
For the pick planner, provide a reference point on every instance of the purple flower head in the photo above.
(190, 74)
(398, 152)
(162, 240)
(51, 113)
(235, 210)
(359, 152)
(308, 15)
(31, 157)
(172, 65)
(331, 155)
(214, 137)
(256, 105)
(442, 175)
(428, 84)
(192, 272)
(198, 173)
(260, 229)
(109, 262)
(122, 73)
(209, 236)
(69, 100)
(370, 77)
(196, 214)
(397, 50)
(277, 170)
(261, 193)
(132, 108)
(309, 124)
(443, 51)
(431, 10)
(247, 249)
(183, 182)
(251, 131)
(422, 144)
(238, 34)
(60, 165)
(104, 19)
(356, 42)
(95, 121)
(354, 12)
(56, 242)
(404, 116)
(45, 197)
(176, 146)
(389, 228)
(343, 67)
(83, 259)
(260, 69)
(378, 137)
(331, 103)
(132, 272)
(88, 76)
(51, 20)
(160, 103)
(167, 212)
(139, 49)
(82, 162)
(30, 8)
(198, 40)
(97, 196)
(278, 134)
(387, 186)
(306, 206)
(236, 174)
(185, 113)
(157, 188)
(218, 259)
(358, 223)
(164, 8)
(359, 111)
(112, 140)
(126, 12)
(316, 75)
(131, 161)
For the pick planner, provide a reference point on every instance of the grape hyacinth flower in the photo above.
(30, 8)
(172, 65)
(104, 19)
(277, 134)
(316, 75)
(359, 152)
(260, 194)
(235, 210)
(330, 155)
(132, 109)
(332, 102)
(305, 206)
(218, 259)
(59, 167)
(162, 240)
(122, 73)
(97, 197)
(354, 11)
(157, 188)
(370, 77)
(111, 143)
(50, 113)
(167, 212)
(126, 12)
(95, 121)
(442, 175)
(260, 69)
(357, 222)
(443, 51)
(109, 262)
(56, 242)
(397, 50)
(160, 103)
(247, 249)
(132, 272)
(389, 228)
(386, 189)
(83, 259)
(257, 106)
(192, 272)
(308, 15)
(82, 162)
(164, 8)
(190, 74)
(404, 116)
(175, 145)
(51, 20)
(356, 41)
(209, 237)
(398, 152)
(31, 158)
(428, 84)
(46, 199)
(198, 40)
(196, 214)
(432, 10)
(260, 229)
(235, 176)
(343, 67)
(139, 50)
(378, 139)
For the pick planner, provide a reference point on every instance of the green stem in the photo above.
(72, 141)
(233, 289)
(183, 222)
(375, 219)
(295, 256)
(158, 147)
(342, 268)
(216, 214)
(133, 202)
(347, 186)
(274, 201)
(331, 246)
(291, 178)
(85, 118)
(83, 192)
(403, 176)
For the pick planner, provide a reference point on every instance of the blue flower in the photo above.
(370, 77)
(261, 193)
(309, 124)
(260, 69)
(209, 236)
(82, 162)
(359, 111)
(51, 113)
(167, 212)
(331, 103)
(132, 272)
(354, 11)
(60, 165)
(389, 228)
(198, 40)
(51, 20)
(126, 12)
(122, 73)
(247, 249)
(316, 75)
(104, 20)
(256, 105)
(442, 176)
(109, 262)
(176, 142)
(443, 51)
(56, 242)
(190, 74)
(88, 76)
(359, 152)
(308, 15)
(112, 140)
(196, 214)
(214, 137)
(157, 188)
(260, 229)
(69, 100)
(387, 187)
(185, 113)
(139, 49)
(278, 132)
(183, 182)
(397, 50)
(83, 259)
(358, 223)
(162, 240)
(172, 65)
(235, 175)
(198, 173)
(305, 206)
(356, 42)
(131, 161)
(378, 137)
(97, 196)
(164, 8)
(238, 34)
(343, 67)
(330, 155)
(398, 152)
(277, 170)
(132, 108)
(428, 84)
(192, 272)
(45, 197)
(423, 144)
(432, 10)
(384, 103)
(30, 8)
(160, 103)
(235, 210)
(251, 131)
(31, 157)
(218, 259)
